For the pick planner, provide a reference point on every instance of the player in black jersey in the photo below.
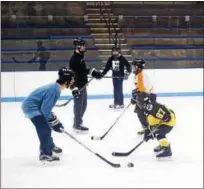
(78, 65)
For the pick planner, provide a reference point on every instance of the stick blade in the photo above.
(115, 165)
(96, 138)
(120, 154)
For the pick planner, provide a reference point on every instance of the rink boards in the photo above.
(167, 83)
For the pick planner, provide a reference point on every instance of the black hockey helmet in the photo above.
(78, 42)
(65, 74)
(140, 63)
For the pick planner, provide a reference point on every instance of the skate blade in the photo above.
(49, 163)
(168, 158)
(80, 132)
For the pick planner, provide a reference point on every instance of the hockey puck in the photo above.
(130, 165)
(92, 138)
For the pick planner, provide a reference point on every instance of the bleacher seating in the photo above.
(61, 48)
(55, 24)
(159, 32)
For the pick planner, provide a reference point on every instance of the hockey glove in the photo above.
(75, 92)
(134, 94)
(126, 75)
(132, 101)
(55, 123)
(148, 135)
(96, 73)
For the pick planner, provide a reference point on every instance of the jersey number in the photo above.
(160, 113)
(116, 64)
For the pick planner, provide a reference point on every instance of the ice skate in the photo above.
(163, 152)
(48, 159)
(80, 129)
(57, 150)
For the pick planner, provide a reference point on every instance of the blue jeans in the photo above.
(118, 91)
(44, 134)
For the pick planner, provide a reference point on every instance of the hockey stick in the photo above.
(115, 165)
(114, 77)
(29, 61)
(69, 100)
(117, 77)
(127, 153)
(15, 60)
(103, 136)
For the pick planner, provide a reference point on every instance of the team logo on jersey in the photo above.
(149, 107)
(116, 65)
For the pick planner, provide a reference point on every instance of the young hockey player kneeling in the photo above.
(160, 121)
(37, 107)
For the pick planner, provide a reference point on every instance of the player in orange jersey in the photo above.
(142, 84)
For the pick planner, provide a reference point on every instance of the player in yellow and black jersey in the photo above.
(160, 121)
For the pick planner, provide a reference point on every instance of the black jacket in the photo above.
(117, 66)
(78, 65)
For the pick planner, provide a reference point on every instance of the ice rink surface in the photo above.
(80, 168)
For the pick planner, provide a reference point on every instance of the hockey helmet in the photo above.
(140, 63)
(78, 42)
(65, 74)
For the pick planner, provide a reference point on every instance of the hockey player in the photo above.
(160, 121)
(42, 56)
(120, 69)
(78, 65)
(143, 85)
(37, 107)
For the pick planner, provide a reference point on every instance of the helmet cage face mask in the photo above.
(137, 66)
(134, 69)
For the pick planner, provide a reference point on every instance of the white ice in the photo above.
(80, 168)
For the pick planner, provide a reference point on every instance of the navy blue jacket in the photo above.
(117, 66)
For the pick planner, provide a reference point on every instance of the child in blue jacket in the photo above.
(38, 106)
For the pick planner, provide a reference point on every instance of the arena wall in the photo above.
(167, 82)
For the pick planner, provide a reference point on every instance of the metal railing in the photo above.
(109, 21)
